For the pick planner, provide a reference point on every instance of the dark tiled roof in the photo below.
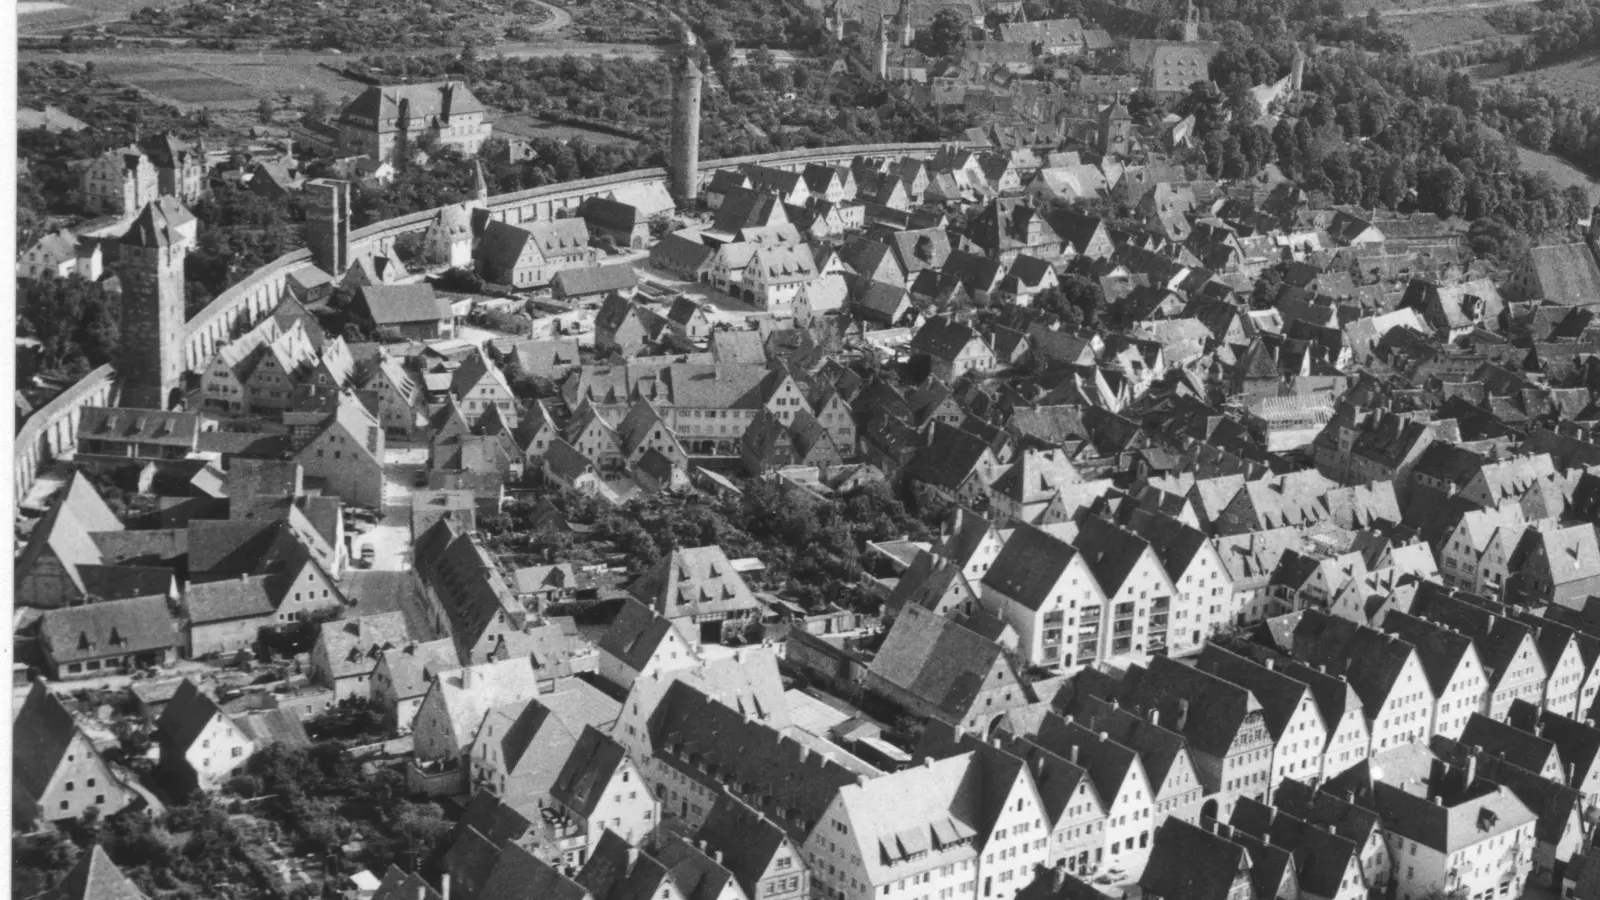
(114, 627)
(94, 877)
(938, 661)
(1191, 863)
(1029, 565)
(595, 760)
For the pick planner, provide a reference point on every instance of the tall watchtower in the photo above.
(328, 224)
(150, 353)
(687, 82)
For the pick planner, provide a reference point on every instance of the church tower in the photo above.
(150, 352)
(903, 19)
(1191, 22)
(328, 224)
(685, 134)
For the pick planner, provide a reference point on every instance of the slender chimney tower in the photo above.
(906, 31)
(150, 355)
(883, 48)
(1298, 73)
(685, 137)
(328, 224)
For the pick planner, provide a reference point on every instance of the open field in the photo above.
(1423, 7)
(1563, 172)
(1444, 29)
(1577, 79)
(528, 127)
(35, 16)
(218, 80)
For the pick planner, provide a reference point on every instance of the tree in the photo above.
(947, 33)
(265, 110)
(318, 111)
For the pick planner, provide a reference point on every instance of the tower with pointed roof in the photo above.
(150, 355)
(1191, 22)
(903, 19)
(685, 138)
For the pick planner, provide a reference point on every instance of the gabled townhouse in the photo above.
(479, 386)
(1501, 480)
(1327, 864)
(1138, 593)
(347, 651)
(1524, 749)
(1571, 658)
(1384, 671)
(1576, 741)
(952, 348)
(1454, 671)
(1043, 587)
(697, 588)
(466, 595)
(108, 637)
(200, 746)
(523, 749)
(598, 791)
(699, 871)
(617, 870)
(641, 643)
(1293, 718)
(1073, 810)
(1224, 724)
(401, 678)
(1473, 555)
(450, 719)
(763, 859)
(1349, 740)
(1475, 838)
(702, 748)
(1506, 648)
(1216, 863)
(1337, 813)
(774, 276)
(1203, 589)
(1012, 824)
(873, 261)
(1175, 783)
(954, 466)
(56, 773)
(1554, 566)
(938, 668)
(1559, 834)
(828, 183)
(971, 541)
(595, 438)
(1120, 781)
(345, 449)
(1023, 490)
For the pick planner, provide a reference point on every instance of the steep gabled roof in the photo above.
(937, 660)
(94, 877)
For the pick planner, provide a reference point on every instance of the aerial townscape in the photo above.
(794, 450)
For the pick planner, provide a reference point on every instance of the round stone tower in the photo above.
(684, 164)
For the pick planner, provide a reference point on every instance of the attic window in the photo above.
(1487, 819)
